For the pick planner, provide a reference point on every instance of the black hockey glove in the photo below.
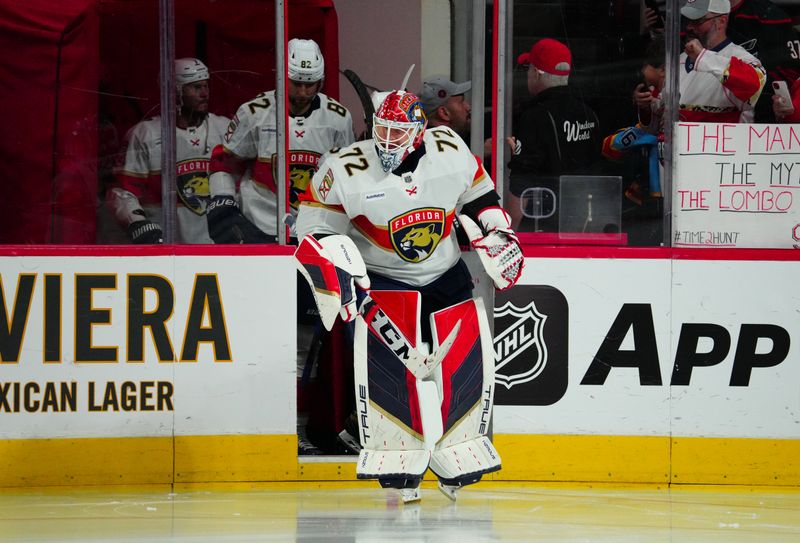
(226, 224)
(145, 232)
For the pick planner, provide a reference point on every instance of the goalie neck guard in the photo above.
(398, 127)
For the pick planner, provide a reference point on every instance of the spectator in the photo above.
(765, 31)
(445, 104)
(559, 133)
(136, 202)
(719, 80)
(317, 124)
(648, 134)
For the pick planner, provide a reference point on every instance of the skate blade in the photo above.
(448, 490)
(410, 495)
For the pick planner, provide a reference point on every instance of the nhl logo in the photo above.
(523, 334)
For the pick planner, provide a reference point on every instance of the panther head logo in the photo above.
(193, 190)
(299, 178)
(417, 233)
(421, 239)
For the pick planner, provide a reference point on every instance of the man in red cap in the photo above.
(559, 133)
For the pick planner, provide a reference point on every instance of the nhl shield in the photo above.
(530, 325)
(416, 234)
(524, 334)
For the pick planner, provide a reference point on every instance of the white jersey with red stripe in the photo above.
(721, 85)
(401, 224)
(252, 136)
(140, 174)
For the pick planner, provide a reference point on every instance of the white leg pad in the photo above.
(374, 464)
(388, 405)
(465, 461)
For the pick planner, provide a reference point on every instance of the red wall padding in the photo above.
(49, 72)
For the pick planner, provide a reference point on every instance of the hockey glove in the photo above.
(226, 224)
(333, 267)
(498, 249)
(145, 232)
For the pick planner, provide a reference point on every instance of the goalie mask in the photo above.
(306, 64)
(189, 70)
(398, 127)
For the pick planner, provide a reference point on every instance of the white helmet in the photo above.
(306, 64)
(189, 70)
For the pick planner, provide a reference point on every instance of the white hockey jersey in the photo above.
(140, 176)
(252, 135)
(403, 225)
(722, 85)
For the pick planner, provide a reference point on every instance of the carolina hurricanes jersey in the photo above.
(252, 135)
(722, 85)
(402, 224)
(141, 173)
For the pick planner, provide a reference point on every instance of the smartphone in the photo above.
(654, 6)
(782, 89)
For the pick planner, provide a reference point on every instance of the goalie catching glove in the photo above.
(333, 267)
(498, 249)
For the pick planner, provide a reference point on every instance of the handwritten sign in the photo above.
(736, 185)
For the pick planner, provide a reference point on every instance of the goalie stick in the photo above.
(364, 97)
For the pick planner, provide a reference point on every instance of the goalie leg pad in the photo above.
(466, 375)
(387, 405)
(393, 469)
(464, 463)
(466, 379)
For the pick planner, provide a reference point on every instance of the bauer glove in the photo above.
(227, 225)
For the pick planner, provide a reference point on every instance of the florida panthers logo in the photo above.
(416, 234)
(192, 181)
(302, 165)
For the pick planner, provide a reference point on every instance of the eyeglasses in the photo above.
(700, 22)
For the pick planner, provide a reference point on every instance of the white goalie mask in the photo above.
(189, 70)
(306, 64)
(397, 128)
